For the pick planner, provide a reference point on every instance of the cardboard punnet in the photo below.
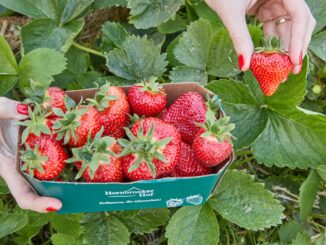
(159, 193)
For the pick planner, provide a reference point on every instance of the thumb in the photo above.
(234, 19)
(10, 109)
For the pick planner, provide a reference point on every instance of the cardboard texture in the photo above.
(159, 193)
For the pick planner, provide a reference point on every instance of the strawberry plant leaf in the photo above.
(144, 221)
(8, 68)
(99, 4)
(245, 112)
(301, 239)
(318, 9)
(33, 66)
(222, 60)
(193, 46)
(321, 240)
(185, 73)
(308, 192)
(193, 225)
(113, 231)
(12, 222)
(46, 33)
(138, 60)
(289, 231)
(114, 32)
(321, 170)
(64, 239)
(318, 45)
(246, 202)
(3, 187)
(68, 224)
(173, 25)
(29, 8)
(152, 13)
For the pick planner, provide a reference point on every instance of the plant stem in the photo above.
(88, 50)
(243, 152)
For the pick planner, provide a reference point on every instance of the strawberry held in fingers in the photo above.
(45, 159)
(112, 104)
(212, 145)
(153, 149)
(97, 160)
(270, 67)
(147, 98)
(184, 113)
(76, 123)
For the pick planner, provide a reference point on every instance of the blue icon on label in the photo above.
(195, 199)
(172, 203)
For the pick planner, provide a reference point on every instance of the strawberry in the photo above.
(188, 165)
(153, 149)
(112, 104)
(212, 143)
(147, 98)
(45, 159)
(76, 123)
(54, 98)
(184, 113)
(97, 160)
(270, 67)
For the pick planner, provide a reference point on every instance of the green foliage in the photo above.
(3, 187)
(246, 203)
(321, 170)
(308, 191)
(318, 8)
(63, 239)
(193, 225)
(152, 13)
(139, 59)
(112, 230)
(11, 222)
(318, 45)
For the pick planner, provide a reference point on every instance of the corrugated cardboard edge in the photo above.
(170, 90)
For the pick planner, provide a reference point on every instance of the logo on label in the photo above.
(195, 199)
(174, 202)
(132, 192)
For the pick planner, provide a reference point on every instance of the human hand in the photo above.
(21, 190)
(289, 20)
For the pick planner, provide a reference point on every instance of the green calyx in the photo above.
(150, 85)
(271, 44)
(36, 124)
(66, 126)
(145, 147)
(213, 104)
(94, 152)
(32, 160)
(35, 92)
(102, 100)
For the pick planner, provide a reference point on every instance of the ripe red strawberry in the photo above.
(96, 160)
(212, 143)
(188, 165)
(45, 159)
(113, 107)
(153, 149)
(271, 66)
(54, 98)
(75, 125)
(184, 113)
(147, 98)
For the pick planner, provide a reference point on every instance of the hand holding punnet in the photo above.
(10, 112)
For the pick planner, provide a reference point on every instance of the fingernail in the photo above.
(240, 61)
(300, 58)
(50, 209)
(22, 109)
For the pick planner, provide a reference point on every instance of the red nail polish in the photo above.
(240, 61)
(22, 109)
(300, 58)
(50, 209)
